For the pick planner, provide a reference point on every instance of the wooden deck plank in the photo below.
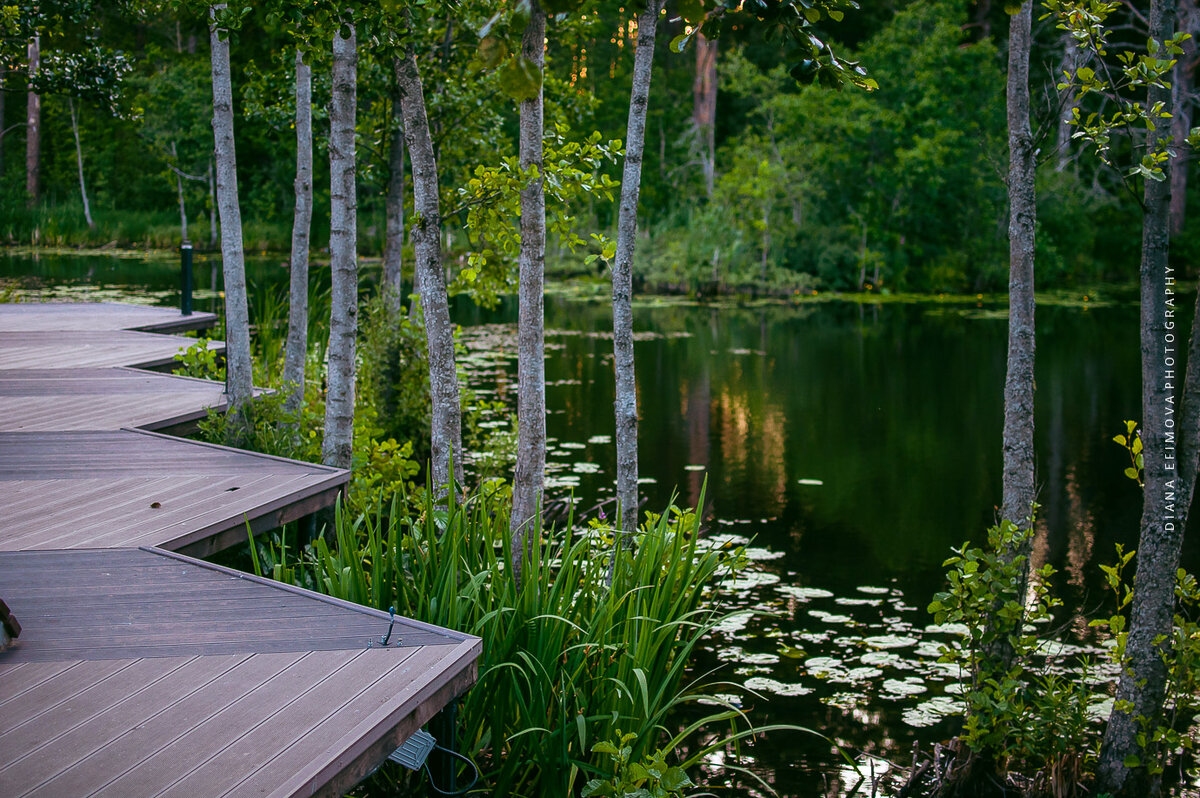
(58, 316)
(60, 688)
(129, 745)
(55, 754)
(80, 489)
(177, 750)
(288, 725)
(86, 349)
(103, 399)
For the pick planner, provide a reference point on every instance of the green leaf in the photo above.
(675, 780)
(604, 747)
(680, 42)
(492, 51)
(1133, 761)
(812, 15)
(1013, 7)
(1131, 472)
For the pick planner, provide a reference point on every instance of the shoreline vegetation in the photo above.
(562, 279)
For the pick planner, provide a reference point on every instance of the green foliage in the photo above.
(1025, 720)
(201, 361)
(566, 659)
(492, 200)
(1087, 22)
(652, 777)
(1167, 738)
(1131, 441)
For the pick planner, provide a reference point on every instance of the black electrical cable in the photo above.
(466, 759)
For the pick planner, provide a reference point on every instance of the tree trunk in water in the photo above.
(704, 108)
(33, 130)
(87, 210)
(238, 377)
(1018, 483)
(431, 278)
(1143, 680)
(338, 445)
(530, 474)
(183, 231)
(622, 273)
(393, 248)
(296, 352)
(1182, 82)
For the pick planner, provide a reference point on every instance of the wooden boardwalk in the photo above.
(90, 349)
(91, 316)
(69, 490)
(140, 671)
(103, 399)
(143, 673)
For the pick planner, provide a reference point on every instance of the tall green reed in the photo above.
(567, 661)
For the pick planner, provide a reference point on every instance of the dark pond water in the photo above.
(849, 446)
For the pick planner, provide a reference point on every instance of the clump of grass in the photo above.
(568, 660)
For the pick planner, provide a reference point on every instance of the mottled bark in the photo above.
(338, 446)
(87, 208)
(530, 474)
(392, 286)
(1143, 682)
(238, 377)
(33, 130)
(296, 351)
(622, 272)
(431, 277)
(183, 222)
(704, 108)
(1018, 461)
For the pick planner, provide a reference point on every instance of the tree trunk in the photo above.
(530, 475)
(214, 224)
(1183, 84)
(183, 231)
(87, 209)
(431, 278)
(1018, 483)
(704, 108)
(622, 273)
(393, 249)
(338, 446)
(1143, 680)
(33, 130)
(296, 351)
(238, 377)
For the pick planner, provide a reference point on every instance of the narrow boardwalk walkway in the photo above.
(140, 671)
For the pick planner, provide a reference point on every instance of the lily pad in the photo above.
(764, 685)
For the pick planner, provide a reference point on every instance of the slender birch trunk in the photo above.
(622, 275)
(33, 129)
(1141, 689)
(296, 351)
(238, 373)
(1073, 58)
(87, 209)
(183, 224)
(430, 277)
(393, 250)
(338, 445)
(1018, 483)
(530, 473)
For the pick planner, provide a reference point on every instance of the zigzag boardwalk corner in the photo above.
(138, 670)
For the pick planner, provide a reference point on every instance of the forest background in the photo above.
(752, 181)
